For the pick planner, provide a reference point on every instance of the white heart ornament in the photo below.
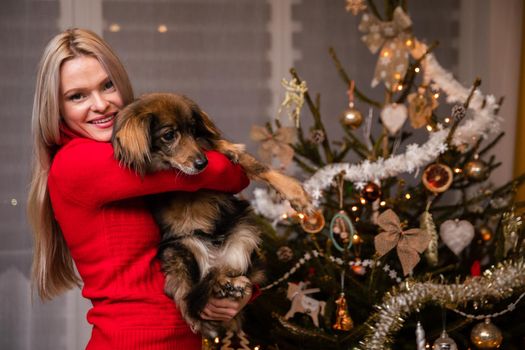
(456, 234)
(394, 116)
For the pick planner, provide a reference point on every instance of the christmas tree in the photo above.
(389, 260)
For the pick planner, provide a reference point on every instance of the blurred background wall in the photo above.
(229, 56)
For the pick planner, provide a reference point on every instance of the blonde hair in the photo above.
(53, 270)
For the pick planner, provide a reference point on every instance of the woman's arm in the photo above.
(86, 172)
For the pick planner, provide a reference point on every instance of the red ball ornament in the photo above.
(437, 177)
(371, 192)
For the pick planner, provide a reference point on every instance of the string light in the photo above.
(436, 95)
(114, 27)
(409, 42)
(382, 203)
(354, 208)
(301, 216)
(417, 69)
(162, 28)
(457, 170)
(14, 202)
(447, 120)
(408, 196)
(362, 200)
(386, 53)
(216, 340)
(430, 128)
(400, 87)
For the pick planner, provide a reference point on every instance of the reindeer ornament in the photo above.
(303, 303)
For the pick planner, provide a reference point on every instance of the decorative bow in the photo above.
(410, 243)
(277, 144)
(394, 38)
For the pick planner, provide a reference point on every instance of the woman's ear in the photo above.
(132, 140)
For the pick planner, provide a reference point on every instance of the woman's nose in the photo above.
(99, 103)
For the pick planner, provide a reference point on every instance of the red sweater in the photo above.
(113, 240)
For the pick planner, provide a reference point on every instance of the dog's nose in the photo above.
(200, 162)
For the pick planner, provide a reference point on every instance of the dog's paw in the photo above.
(232, 287)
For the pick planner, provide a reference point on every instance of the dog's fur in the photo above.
(210, 240)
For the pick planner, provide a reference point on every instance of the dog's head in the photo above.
(163, 131)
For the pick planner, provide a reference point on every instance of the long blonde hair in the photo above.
(53, 270)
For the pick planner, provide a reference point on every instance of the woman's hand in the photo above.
(224, 309)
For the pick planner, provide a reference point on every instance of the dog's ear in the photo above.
(131, 139)
(205, 128)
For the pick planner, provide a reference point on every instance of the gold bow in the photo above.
(394, 38)
(275, 145)
(410, 243)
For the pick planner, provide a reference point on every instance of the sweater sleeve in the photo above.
(85, 171)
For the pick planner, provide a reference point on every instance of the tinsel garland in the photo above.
(483, 120)
(497, 284)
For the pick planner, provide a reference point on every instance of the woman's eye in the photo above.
(75, 97)
(168, 136)
(108, 85)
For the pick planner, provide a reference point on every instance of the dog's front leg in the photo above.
(181, 272)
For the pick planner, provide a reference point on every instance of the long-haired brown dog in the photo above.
(210, 240)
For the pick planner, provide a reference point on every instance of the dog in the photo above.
(210, 239)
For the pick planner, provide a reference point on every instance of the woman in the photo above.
(87, 210)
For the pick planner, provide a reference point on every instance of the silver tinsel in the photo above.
(499, 283)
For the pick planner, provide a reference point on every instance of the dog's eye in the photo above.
(169, 135)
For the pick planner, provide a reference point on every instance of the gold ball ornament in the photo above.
(437, 177)
(314, 222)
(351, 117)
(444, 342)
(486, 335)
(476, 170)
(371, 192)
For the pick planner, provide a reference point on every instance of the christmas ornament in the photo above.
(314, 222)
(304, 304)
(456, 234)
(426, 223)
(393, 116)
(343, 320)
(476, 170)
(341, 231)
(511, 223)
(420, 107)
(409, 243)
(444, 342)
(351, 117)
(355, 6)
(437, 177)
(421, 341)
(371, 192)
(395, 41)
(235, 341)
(317, 136)
(294, 99)
(486, 335)
(276, 144)
(284, 254)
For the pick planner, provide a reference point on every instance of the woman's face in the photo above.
(89, 101)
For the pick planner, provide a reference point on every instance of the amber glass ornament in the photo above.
(437, 177)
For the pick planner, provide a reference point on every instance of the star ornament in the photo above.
(409, 244)
(355, 6)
